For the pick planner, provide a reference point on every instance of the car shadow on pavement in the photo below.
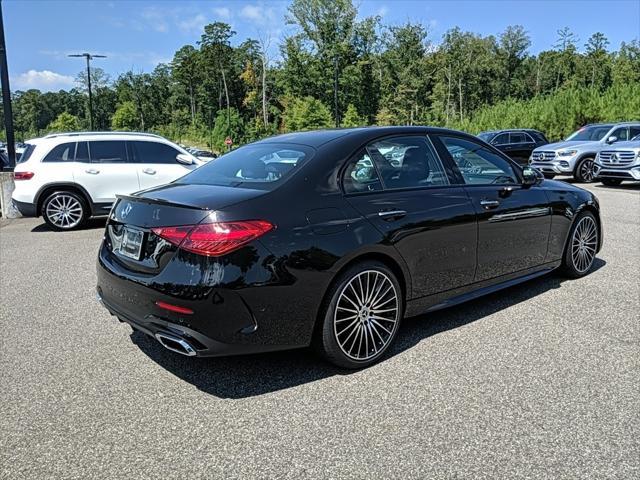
(251, 375)
(90, 224)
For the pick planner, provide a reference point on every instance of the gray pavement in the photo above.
(538, 381)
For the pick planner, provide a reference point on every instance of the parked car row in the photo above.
(588, 154)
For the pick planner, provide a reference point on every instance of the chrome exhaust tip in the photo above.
(175, 344)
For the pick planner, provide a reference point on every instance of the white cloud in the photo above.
(44, 80)
(194, 24)
(222, 12)
(156, 19)
(383, 10)
(258, 14)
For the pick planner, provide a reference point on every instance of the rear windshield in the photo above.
(592, 133)
(260, 165)
(486, 136)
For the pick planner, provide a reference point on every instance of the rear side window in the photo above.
(65, 152)
(153, 152)
(518, 137)
(407, 162)
(361, 175)
(26, 154)
(258, 165)
(82, 152)
(108, 152)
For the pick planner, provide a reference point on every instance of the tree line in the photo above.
(336, 69)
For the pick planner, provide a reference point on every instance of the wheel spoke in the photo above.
(366, 314)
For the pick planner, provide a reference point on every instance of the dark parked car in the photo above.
(332, 237)
(518, 144)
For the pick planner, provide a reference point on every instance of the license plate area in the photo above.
(131, 244)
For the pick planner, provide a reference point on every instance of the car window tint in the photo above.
(407, 162)
(518, 137)
(501, 139)
(477, 164)
(65, 152)
(109, 151)
(153, 152)
(361, 175)
(82, 152)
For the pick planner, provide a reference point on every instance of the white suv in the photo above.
(69, 177)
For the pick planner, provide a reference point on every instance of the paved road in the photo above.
(539, 381)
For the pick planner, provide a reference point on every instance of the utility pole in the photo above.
(335, 90)
(6, 97)
(89, 57)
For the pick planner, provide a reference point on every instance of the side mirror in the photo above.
(612, 139)
(531, 176)
(184, 159)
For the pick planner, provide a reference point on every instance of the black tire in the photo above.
(571, 266)
(584, 170)
(549, 176)
(73, 205)
(611, 182)
(365, 325)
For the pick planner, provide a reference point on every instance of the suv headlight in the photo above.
(567, 153)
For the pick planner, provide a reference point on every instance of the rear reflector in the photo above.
(174, 308)
(23, 175)
(214, 239)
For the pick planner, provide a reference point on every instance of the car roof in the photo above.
(57, 138)
(507, 130)
(317, 138)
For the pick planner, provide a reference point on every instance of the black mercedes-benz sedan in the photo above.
(332, 237)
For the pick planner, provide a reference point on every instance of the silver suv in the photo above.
(576, 155)
(620, 163)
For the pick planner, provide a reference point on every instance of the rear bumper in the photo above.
(224, 321)
(26, 209)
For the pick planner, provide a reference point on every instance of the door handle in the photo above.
(489, 204)
(390, 215)
(149, 171)
(92, 171)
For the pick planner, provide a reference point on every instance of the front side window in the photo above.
(621, 134)
(501, 139)
(259, 165)
(407, 162)
(108, 151)
(65, 152)
(153, 152)
(361, 175)
(477, 164)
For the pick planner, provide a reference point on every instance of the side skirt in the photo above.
(453, 297)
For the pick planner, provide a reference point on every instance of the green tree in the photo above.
(125, 117)
(307, 114)
(64, 122)
(352, 118)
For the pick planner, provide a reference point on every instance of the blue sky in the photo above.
(139, 34)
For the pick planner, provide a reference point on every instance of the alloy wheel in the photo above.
(586, 170)
(64, 211)
(366, 315)
(584, 244)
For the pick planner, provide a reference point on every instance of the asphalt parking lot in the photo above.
(538, 381)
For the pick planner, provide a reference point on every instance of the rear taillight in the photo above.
(23, 175)
(214, 239)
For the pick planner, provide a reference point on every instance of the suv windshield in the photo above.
(590, 133)
(260, 165)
